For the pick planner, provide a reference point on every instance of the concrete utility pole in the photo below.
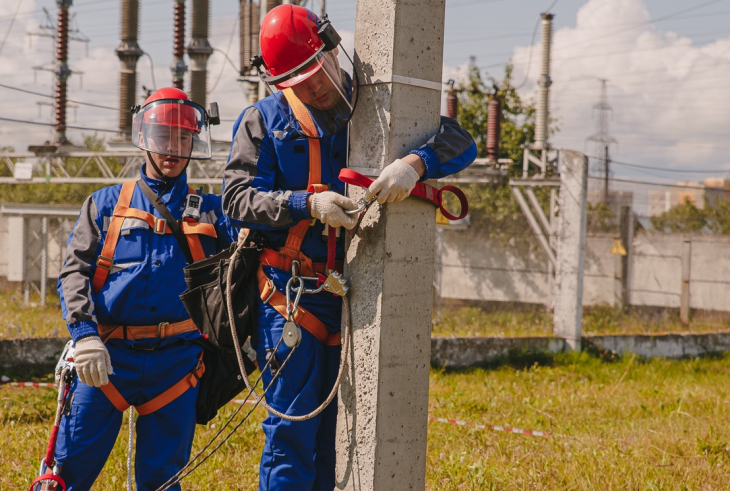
(199, 50)
(571, 247)
(129, 53)
(383, 404)
(602, 137)
(62, 70)
(178, 66)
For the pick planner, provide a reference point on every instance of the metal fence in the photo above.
(42, 187)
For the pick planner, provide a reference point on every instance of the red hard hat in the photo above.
(169, 114)
(288, 38)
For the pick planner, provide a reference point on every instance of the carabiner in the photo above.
(364, 205)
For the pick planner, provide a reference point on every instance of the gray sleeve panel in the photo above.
(75, 275)
(250, 176)
(451, 141)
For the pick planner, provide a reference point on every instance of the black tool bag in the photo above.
(205, 301)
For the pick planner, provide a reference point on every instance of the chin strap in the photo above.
(163, 177)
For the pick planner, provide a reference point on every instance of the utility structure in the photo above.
(602, 137)
(541, 146)
(562, 236)
(452, 100)
(61, 33)
(249, 19)
(250, 16)
(199, 50)
(494, 126)
(178, 66)
(129, 53)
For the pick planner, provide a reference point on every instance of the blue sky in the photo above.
(667, 71)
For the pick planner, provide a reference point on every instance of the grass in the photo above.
(629, 424)
(600, 319)
(19, 321)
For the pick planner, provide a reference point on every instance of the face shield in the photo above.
(321, 89)
(172, 127)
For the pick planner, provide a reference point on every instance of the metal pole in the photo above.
(44, 259)
(605, 174)
(684, 300)
(128, 53)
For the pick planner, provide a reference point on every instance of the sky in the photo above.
(667, 63)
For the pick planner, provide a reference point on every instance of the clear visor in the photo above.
(172, 127)
(324, 91)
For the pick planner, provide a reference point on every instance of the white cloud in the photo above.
(668, 95)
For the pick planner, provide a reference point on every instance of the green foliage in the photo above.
(601, 218)
(518, 117)
(687, 218)
(682, 218)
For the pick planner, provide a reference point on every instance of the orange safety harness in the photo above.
(104, 263)
(284, 257)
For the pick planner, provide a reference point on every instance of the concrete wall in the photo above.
(479, 268)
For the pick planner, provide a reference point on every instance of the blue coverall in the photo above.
(265, 185)
(142, 289)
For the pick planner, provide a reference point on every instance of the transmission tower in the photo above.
(602, 137)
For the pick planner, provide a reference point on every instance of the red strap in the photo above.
(422, 190)
(48, 477)
(331, 248)
(162, 400)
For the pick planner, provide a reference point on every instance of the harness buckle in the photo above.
(109, 262)
(160, 226)
(160, 326)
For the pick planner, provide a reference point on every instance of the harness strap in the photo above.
(270, 257)
(270, 295)
(134, 333)
(307, 124)
(162, 400)
(105, 261)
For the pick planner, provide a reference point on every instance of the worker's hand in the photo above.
(92, 361)
(329, 208)
(395, 183)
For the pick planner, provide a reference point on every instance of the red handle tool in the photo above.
(423, 191)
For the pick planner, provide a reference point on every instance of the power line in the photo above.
(51, 97)
(662, 169)
(11, 120)
(10, 27)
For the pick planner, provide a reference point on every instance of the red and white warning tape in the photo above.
(518, 431)
(507, 429)
(5, 380)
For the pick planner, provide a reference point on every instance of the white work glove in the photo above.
(92, 361)
(329, 208)
(395, 183)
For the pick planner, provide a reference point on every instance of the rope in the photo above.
(239, 356)
(187, 470)
(129, 448)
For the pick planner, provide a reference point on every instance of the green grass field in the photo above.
(628, 424)
(20, 321)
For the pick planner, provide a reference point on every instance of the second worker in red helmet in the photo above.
(285, 147)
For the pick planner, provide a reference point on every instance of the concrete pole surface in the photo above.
(568, 313)
(383, 404)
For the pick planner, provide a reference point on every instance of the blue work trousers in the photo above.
(299, 456)
(164, 438)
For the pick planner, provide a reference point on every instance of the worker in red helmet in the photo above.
(281, 182)
(134, 342)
